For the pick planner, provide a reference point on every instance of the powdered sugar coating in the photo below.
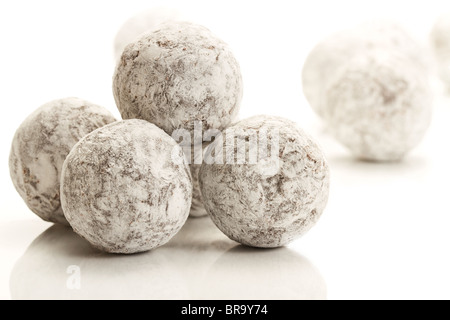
(196, 159)
(142, 23)
(178, 74)
(336, 50)
(440, 40)
(379, 105)
(126, 188)
(267, 210)
(40, 146)
(197, 209)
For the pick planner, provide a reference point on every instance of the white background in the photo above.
(385, 233)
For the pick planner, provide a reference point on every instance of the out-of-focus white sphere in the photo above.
(371, 86)
(335, 51)
(141, 23)
(379, 106)
(440, 41)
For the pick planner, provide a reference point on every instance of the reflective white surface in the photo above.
(384, 235)
(199, 263)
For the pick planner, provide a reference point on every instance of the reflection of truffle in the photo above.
(336, 50)
(178, 74)
(440, 39)
(40, 146)
(193, 250)
(126, 188)
(195, 264)
(45, 272)
(141, 23)
(274, 201)
(379, 106)
(279, 274)
(174, 271)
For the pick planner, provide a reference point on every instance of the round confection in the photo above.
(440, 40)
(320, 63)
(196, 159)
(336, 50)
(272, 201)
(126, 188)
(176, 75)
(40, 146)
(379, 106)
(142, 23)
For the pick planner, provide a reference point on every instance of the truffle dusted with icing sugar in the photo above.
(379, 106)
(196, 159)
(273, 201)
(141, 23)
(176, 75)
(197, 209)
(40, 146)
(126, 188)
(335, 51)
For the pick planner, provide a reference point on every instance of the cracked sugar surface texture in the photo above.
(195, 155)
(178, 74)
(273, 202)
(40, 146)
(126, 188)
(197, 209)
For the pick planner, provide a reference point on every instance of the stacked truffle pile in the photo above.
(127, 186)
(370, 86)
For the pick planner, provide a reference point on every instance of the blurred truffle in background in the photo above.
(440, 41)
(370, 85)
(142, 23)
(336, 50)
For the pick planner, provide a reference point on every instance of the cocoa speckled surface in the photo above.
(197, 208)
(178, 74)
(196, 158)
(267, 204)
(126, 188)
(40, 146)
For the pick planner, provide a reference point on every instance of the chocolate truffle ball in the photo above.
(178, 74)
(335, 51)
(141, 23)
(195, 155)
(274, 200)
(126, 188)
(40, 146)
(378, 105)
